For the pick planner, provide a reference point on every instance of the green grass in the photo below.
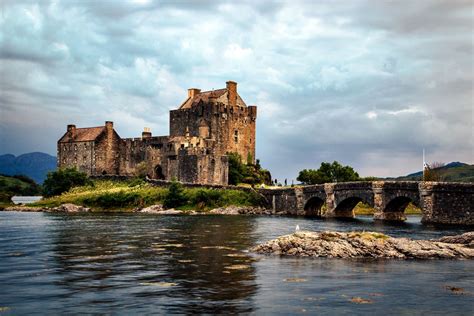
(364, 209)
(112, 195)
(16, 185)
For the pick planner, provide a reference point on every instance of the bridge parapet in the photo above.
(447, 203)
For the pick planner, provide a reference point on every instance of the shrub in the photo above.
(246, 173)
(113, 199)
(175, 196)
(63, 180)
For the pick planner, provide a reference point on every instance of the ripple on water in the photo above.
(97, 264)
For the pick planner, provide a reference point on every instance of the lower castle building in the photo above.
(206, 127)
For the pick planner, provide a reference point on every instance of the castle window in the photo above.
(236, 136)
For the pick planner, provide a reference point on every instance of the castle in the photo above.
(206, 127)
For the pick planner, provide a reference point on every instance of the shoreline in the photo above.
(158, 209)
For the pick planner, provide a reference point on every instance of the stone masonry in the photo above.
(203, 130)
(440, 202)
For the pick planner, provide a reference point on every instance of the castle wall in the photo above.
(107, 153)
(78, 155)
(232, 128)
(134, 151)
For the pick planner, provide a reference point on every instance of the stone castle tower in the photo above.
(206, 127)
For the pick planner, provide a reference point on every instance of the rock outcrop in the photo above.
(239, 210)
(71, 208)
(367, 245)
(465, 239)
(158, 209)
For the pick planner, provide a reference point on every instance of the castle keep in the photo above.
(206, 127)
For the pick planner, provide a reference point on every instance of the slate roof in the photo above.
(85, 134)
(202, 96)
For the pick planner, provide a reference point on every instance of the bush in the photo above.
(175, 196)
(246, 173)
(63, 180)
(113, 200)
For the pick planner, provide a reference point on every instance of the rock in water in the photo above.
(71, 208)
(465, 239)
(362, 245)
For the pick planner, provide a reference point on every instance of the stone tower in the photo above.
(219, 117)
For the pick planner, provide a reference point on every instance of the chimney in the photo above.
(109, 126)
(193, 92)
(146, 132)
(232, 92)
(71, 129)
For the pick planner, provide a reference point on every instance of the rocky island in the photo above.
(364, 245)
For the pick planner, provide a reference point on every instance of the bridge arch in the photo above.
(345, 208)
(398, 204)
(313, 206)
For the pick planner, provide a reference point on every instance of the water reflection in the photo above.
(145, 264)
(198, 263)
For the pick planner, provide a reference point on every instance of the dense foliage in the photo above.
(247, 173)
(175, 197)
(63, 180)
(328, 172)
(17, 185)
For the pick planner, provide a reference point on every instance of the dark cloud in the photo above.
(368, 83)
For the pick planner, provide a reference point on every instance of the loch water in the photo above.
(147, 264)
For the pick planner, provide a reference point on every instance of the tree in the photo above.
(328, 172)
(175, 197)
(433, 172)
(247, 173)
(63, 180)
(236, 169)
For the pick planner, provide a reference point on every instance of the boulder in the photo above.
(158, 209)
(71, 208)
(237, 210)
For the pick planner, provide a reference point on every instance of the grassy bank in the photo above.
(111, 195)
(364, 209)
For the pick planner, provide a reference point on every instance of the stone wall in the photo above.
(447, 203)
(80, 155)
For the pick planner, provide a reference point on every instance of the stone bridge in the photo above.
(440, 202)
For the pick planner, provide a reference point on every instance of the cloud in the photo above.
(365, 83)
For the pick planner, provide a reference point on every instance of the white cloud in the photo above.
(234, 51)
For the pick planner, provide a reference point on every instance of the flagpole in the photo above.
(424, 164)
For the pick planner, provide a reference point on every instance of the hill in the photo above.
(17, 185)
(34, 165)
(451, 172)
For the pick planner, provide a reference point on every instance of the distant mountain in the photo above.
(34, 165)
(451, 172)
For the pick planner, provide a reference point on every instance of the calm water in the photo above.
(144, 264)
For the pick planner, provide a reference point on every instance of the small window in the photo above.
(236, 136)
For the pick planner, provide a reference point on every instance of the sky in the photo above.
(366, 83)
